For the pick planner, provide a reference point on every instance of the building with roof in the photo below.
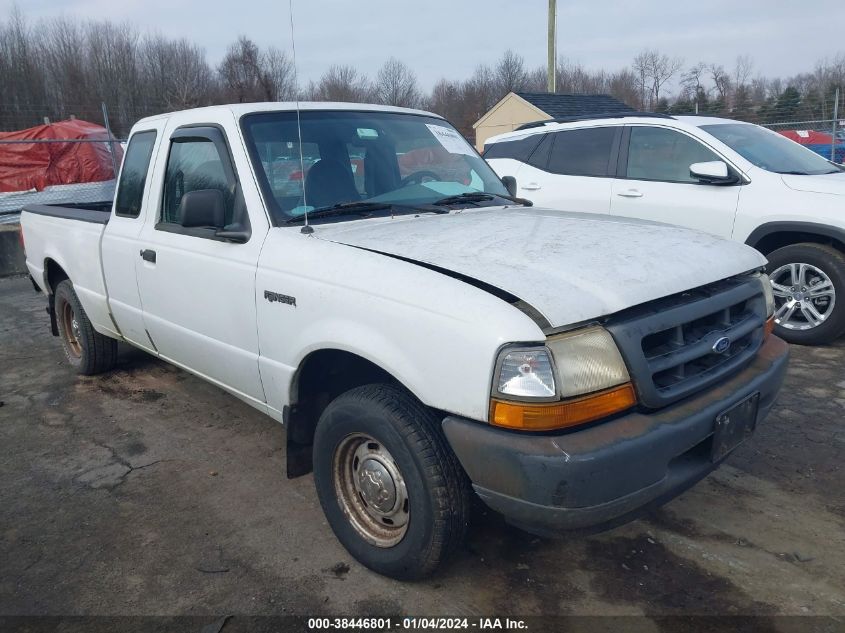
(519, 108)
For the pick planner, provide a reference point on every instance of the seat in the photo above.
(328, 183)
(381, 174)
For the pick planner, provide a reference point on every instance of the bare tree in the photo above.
(342, 83)
(743, 68)
(59, 67)
(536, 80)
(662, 70)
(241, 74)
(510, 74)
(721, 80)
(21, 74)
(64, 54)
(112, 52)
(175, 73)
(279, 78)
(654, 69)
(480, 90)
(446, 100)
(623, 85)
(641, 65)
(396, 85)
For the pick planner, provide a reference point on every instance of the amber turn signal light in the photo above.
(549, 416)
(769, 327)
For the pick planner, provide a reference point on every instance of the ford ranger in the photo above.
(360, 274)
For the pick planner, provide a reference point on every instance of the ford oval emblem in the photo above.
(722, 345)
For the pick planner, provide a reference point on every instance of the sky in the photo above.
(449, 38)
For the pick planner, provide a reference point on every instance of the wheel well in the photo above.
(322, 376)
(54, 275)
(774, 241)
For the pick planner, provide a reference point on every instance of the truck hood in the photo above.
(824, 183)
(570, 267)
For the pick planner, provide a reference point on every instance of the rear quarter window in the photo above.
(520, 149)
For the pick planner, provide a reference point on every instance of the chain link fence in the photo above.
(826, 137)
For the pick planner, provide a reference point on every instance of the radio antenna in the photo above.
(306, 228)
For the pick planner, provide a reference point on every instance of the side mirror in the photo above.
(714, 172)
(202, 208)
(510, 184)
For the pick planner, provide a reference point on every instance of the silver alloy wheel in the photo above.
(804, 296)
(371, 490)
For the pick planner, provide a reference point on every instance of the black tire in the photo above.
(438, 490)
(832, 263)
(88, 351)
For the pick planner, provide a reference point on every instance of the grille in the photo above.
(669, 346)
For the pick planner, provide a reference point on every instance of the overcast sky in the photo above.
(448, 38)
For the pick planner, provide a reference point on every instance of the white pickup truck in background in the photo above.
(422, 334)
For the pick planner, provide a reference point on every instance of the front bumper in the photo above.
(602, 475)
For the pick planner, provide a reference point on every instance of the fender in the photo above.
(770, 228)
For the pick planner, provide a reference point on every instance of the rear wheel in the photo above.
(808, 281)
(88, 351)
(391, 488)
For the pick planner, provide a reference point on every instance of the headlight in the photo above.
(587, 360)
(526, 373)
(575, 378)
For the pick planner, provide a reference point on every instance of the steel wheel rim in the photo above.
(72, 330)
(371, 490)
(804, 296)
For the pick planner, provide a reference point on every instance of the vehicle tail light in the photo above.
(21, 240)
(547, 416)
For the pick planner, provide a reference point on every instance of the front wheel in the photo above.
(808, 281)
(390, 486)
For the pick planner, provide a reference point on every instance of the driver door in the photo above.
(197, 289)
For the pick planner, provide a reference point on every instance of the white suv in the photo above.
(733, 179)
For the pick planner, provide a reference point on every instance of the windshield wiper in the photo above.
(478, 196)
(807, 173)
(361, 208)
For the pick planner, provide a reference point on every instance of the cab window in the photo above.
(193, 165)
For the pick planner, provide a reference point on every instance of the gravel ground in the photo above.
(148, 491)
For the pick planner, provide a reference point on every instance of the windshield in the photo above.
(769, 150)
(371, 157)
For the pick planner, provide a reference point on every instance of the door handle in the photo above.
(148, 256)
(531, 186)
(630, 193)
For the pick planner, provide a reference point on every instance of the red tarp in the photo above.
(25, 166)
(808, 137)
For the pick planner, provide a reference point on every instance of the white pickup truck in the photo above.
(421, 333)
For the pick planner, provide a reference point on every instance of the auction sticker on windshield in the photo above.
(453, 142)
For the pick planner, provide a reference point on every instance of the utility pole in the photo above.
(551, 82)
(835, 121)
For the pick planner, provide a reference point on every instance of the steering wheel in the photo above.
(418, 177)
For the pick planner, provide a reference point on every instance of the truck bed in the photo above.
(67, 238)
(96, 212)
